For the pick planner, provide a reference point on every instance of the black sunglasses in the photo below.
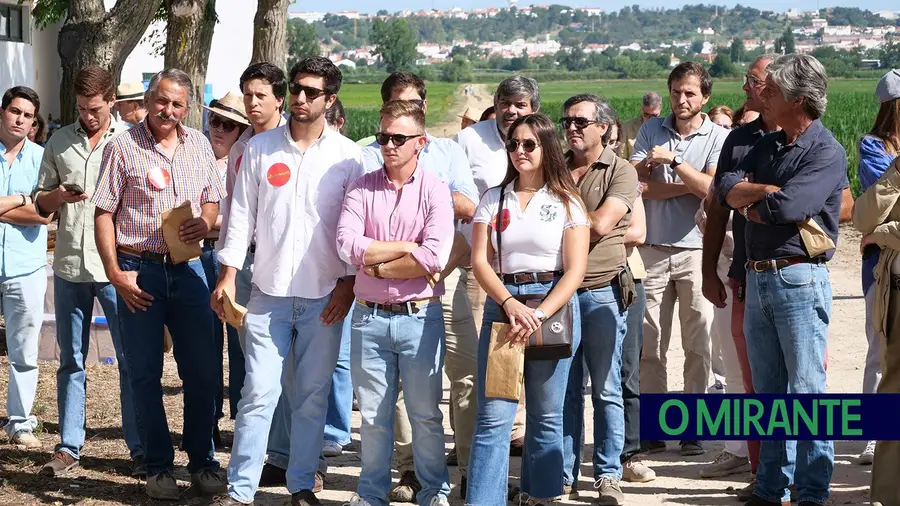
(220, 123)
(528, 145)
(398, 139)
(580, 123)
(311, 93)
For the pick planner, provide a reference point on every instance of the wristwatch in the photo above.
(376, 269)
(539, 314)
(676, 161)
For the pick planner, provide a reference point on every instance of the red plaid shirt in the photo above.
(125, 190)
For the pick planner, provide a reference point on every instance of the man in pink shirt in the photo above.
(396, 228)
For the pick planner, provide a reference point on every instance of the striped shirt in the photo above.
(124, 186)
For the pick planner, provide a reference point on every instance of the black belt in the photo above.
(149, 256)
(780, 263)
(411, 307)
(522, 278)
(209, 243)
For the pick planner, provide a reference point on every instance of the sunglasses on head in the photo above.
(528, 145)
(220, 123)
(398, 139)
(580, 123)
(310, 92)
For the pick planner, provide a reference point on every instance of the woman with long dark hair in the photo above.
(545, 235)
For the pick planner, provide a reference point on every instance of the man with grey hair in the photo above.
(144, 173)
(483, 143)
(651, 106)
(792, 204)
(608, 186)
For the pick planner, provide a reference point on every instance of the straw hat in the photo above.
(230, 106)
(468, 114)
(130, 91)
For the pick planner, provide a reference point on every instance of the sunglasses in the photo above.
(580, 123)
(752, 81)
(220, 123)
(311, 93)
(528, 145)
(398, 139)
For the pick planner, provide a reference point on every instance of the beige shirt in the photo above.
(69, 159)
(629, 134)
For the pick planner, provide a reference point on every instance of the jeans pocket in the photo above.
(130, 264)
(797, 275)
(602, 295)
(361, 317)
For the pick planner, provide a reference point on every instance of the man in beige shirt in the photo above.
(68, 175)
(651, 106)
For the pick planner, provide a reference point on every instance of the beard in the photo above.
(307, 118)
(689, 114)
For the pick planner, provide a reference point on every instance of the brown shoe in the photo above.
(407, 489)
(319, 484)
(305, 498)
(517, 447)
(272, 476)
(59, 465)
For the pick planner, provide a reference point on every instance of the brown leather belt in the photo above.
(150, 256)
(779, 263)
(522, 278)
(411, 307)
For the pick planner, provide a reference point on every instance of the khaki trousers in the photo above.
(680, 269)
(460, 365)
(887, 453)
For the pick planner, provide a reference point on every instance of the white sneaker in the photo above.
(726, 463)
(25, 439)
(332, 449)
(439, 500)
(867, 457)
(356, 501)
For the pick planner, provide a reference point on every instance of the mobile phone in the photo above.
(72, 187)
(870, 250)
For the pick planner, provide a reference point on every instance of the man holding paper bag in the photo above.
(145, 173)
(396, 227)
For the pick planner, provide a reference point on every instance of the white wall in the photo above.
(16, 65)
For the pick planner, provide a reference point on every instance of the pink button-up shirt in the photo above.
(421, 212)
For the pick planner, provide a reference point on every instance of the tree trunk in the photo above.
(190, 30)
(270, 32)
(93, 36)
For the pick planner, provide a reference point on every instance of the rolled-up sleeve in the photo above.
(819, 174)
(437, 242)
(352, 242)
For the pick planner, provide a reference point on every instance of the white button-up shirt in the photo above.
(487, 158)
(291, 200)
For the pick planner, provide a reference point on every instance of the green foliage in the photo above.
(737, 51)
(723, 67)
(459, 69)
(47, 12)
(396, 43)
(890, 54)
(302, 41)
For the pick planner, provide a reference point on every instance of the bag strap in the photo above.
(497, 227)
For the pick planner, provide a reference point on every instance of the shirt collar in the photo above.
(412, 177)
(21, 153)
(327, 133)
(607, 158)
(145, 127)
(511, 189)
(112, 129)
(705, 127)
(810, 134)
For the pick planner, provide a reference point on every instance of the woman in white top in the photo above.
(545, 238)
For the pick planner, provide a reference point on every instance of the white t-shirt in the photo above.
(487, 158)
(532, 240)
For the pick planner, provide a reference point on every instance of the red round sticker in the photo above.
(159, 177)
(278, 174)
(503, 221)
(237, 165)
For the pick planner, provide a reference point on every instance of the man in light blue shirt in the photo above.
(23, 260)
(448, 161)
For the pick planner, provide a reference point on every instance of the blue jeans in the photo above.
(786, 323)
(74, 307)
(340, 400)
(545, 392)
(602, 333)
(631, 372)
(285, 340)
(22, 304)
(385, 349)
(180, 302)
(235, 354)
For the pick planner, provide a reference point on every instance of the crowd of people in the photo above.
(369, 272)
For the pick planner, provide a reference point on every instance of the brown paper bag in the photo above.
(234, 312)
(459, 255)
(167, 340)
(814, 238)
(171, 222)
(505, 366)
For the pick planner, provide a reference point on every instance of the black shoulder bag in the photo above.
(553, 340)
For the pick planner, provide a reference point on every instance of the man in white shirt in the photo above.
(292, 182)
(484, 145)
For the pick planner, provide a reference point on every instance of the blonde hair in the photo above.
(404, 108)
(723, 110)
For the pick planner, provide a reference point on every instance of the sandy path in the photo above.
(482, 99)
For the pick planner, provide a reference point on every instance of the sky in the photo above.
(609, 5)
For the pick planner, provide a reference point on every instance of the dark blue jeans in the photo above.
(631, 371)
(235, 354)
(180, 302)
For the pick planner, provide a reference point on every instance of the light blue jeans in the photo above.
(545, 393)
(786, 324)
(603, 327)
(386, 348)
(74, 306)
(340, 400)
(283, 334)
(22, 304)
